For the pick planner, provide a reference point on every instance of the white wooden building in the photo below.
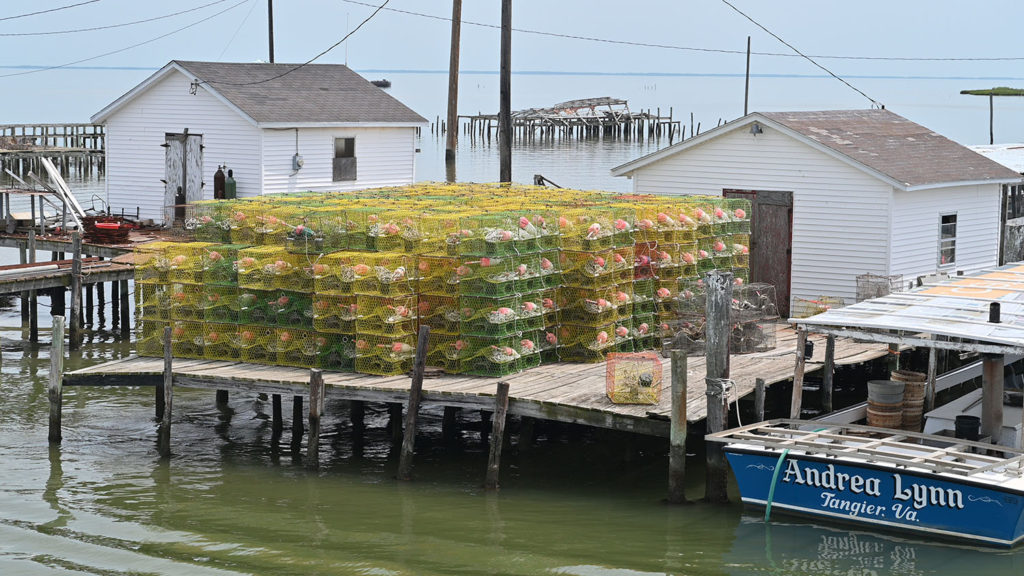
(278, 127)
(838, 194)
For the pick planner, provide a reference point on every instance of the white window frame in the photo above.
(943, 241)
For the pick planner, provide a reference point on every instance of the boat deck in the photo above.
(901, 449)
(561, 392)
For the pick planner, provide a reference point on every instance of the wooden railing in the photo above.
(34, 136)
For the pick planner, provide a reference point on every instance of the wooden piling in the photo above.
(717, 333)
(828, 374)
(126, 324)
(415, 391)
(23, 259)
(929, 399)
(527, 432)
(164, 435)
(798, 374)
(395, 422)
(115, 301)
(89, 304)
(75, 332)
(450, 424)
(497, 436)
(276, 418)
(297, 417)
(55, 390)
(759, 399)
(222, 398)
(992, 396)
(33, 299)
(677, 434)
(316, 410)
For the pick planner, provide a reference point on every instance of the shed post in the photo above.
(55, 390)
(717, 328)
(415, 390)
(798, 374)
(497, 436)
(677, 434)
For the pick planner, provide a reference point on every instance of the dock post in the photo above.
(222, 398)
(23, 259)
(527, 432)
(395, 422)
(101, 300)
(677, 436)
(297, 427)
(497, 436)
(76, 291)
(276, 419)
(164, 436)
(415, 391)
(89, 305)
(759, 399)
(798, 374)
(828, 374)
(357, 416)
(115, 300)
(992, 396)
(126, 323)
(55, 391)
(929, 396)
(33, 298)
(449, 423)
(717, 330)
(316, 410)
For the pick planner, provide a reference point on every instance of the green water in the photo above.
(231, 501)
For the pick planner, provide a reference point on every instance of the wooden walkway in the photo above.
(561, 392)
(44, 275)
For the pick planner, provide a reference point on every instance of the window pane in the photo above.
(947, 254)
(344, 147)
(948, 230)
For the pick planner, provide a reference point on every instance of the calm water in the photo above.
(231, 502)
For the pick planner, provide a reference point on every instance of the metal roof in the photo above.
(1009, 155)
(287, 95)
(957, 309)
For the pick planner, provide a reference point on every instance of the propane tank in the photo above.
(230, 186)
(218, 183)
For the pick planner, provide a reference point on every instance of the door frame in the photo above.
(771, 198)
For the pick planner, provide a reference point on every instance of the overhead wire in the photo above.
(699, 49)
(49, 10)
(237, 30)
(808, 58)
(109, 26)
(126, 48)
(307, 62)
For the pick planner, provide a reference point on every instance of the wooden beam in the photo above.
(55, 392)
(717, 329)
(316, 410)
(276, 418)
(992, 396)
(798, 375)
(929, 398)
(126, 324)
(497, 436)
(75, 335)
(828, 373)
(916, 341)
(33, 299)
(164, 435)
(415, 391)
(759, 399)
(677, 438)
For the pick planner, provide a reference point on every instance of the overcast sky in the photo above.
(398, 41)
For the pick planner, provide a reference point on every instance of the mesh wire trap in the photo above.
(633, 378)
(807, 307)
(875, 286)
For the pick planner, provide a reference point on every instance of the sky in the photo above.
(396, 41)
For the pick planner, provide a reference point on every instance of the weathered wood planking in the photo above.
(562, 392)
(61, 278)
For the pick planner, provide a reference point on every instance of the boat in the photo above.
(929, 484)
(382, 83)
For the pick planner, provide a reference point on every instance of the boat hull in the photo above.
(879, 496)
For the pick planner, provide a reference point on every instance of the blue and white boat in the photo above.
(932, 485)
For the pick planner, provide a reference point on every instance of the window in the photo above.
(947, 240)
(344, 159)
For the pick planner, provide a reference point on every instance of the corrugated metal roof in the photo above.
(957, 308)
(1009, 155)
(314, 93)
(892, 145)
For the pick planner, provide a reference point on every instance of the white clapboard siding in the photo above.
(135, 157)
(840, 214)
(915, 230)
(384, 157)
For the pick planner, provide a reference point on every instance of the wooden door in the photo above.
(771, 240)
(183, 171)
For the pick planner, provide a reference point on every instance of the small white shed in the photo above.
(278, 127)
(837, 194)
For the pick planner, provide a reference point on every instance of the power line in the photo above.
(237, 30)
(307, 62)
(699, 49)
(48, 11)
(126, 48)
(123, 24)
(808, 58)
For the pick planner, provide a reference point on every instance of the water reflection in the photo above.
(795, 548)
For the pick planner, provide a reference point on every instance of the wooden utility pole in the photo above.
(452, 137)
(270, 27)
(746, 83)
(505, 95)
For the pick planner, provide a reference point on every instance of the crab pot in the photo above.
(220, 342)
(335, 314)
(219, 264)
(187, 339)
(754, 336)
(336, 273)
(384, 274)
(259, 267)
(597, 269)
(292, 309)
(149, 338)
(445, 351)
(386, 316)
(220, 303)
(633, 378)
(593, 343)
(296, 347)
(437, 273)
(187, 302)
(209, 221)
(153, 302)
(336, 352)
(440, 313)
(257, 307)
(257, 344)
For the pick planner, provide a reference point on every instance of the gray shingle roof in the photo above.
(890, 144)
(320, 93)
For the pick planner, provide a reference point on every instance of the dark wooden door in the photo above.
(771, 239)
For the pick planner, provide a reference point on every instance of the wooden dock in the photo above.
(573, 393)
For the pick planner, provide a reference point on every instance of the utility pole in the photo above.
(270, 27)
(746, 84)
(505, 95)
(453, 85)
